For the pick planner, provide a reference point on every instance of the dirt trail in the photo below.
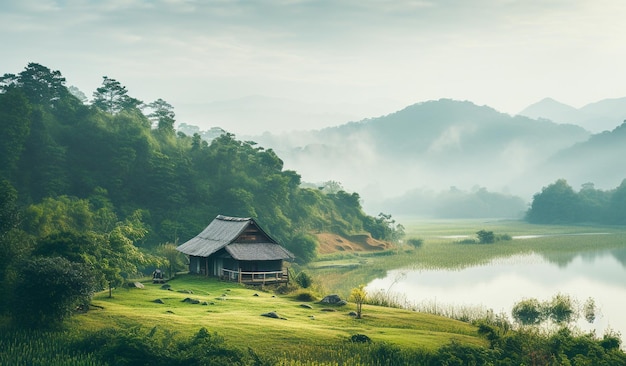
(331, 243)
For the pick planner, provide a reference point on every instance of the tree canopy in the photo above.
(558, 203)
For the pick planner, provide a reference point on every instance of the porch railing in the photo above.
(249, 277)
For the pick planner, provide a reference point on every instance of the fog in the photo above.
(437, 150)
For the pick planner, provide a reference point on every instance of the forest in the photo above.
(106, 189)
(558, 203)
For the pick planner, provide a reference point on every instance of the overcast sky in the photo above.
(369, 56)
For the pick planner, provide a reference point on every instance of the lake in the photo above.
(502, 282)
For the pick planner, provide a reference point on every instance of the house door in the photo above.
(218, 267)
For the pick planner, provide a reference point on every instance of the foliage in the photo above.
(358, 295)
(528, 312)
(137, 347)
(304, 280)
(112, 97)
(559, 203)
(304, 247)
(415, 242)
(486, 237)
(174, 258)
(49, 289)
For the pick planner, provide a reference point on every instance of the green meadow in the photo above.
(235, 311)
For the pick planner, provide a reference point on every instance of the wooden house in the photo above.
(237, 249)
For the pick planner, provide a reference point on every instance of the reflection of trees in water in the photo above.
(562, 260)
(620, 255)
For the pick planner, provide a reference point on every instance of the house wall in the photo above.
(261, 266)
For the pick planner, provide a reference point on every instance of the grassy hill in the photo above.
(234, 312)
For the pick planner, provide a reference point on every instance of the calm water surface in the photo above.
(501, 283)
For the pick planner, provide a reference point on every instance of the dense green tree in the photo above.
(112, 97)
(173, 257)
(303, 246)
(486, 237)
(48, 289)
(528, 312)
(162, 116)
(40, 84)
(557, 203)
(14, 129)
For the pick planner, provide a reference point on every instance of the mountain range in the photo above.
(455, 157)
(600, 116)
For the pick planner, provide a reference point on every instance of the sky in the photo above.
(332, 60)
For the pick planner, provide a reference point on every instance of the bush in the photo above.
(47, 290)
(304, 280)
(417, 243)
(306, 296)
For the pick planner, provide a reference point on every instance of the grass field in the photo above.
(234, 312)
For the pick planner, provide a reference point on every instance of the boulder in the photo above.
(333, 300)
(306, 306)
(273, 315)
(191, 301)
(158, 301)
(135, 285)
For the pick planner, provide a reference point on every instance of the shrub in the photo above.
(304, 280)
(306, 296)
(417, 243)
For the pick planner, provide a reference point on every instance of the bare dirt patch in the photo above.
(332, 243)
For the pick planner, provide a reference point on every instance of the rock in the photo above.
(185, 291)
(191, 301)
(328, 310)
(312, 317)
(205, 303)
(333, 300)
(352, 313)
(166, 287)
(170, 312)
(257, 295)
(135, 285)
(273, 315)
(158, 301)
(307, 306)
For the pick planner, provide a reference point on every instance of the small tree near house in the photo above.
(358, 296)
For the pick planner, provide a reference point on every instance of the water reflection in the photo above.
(505, 281)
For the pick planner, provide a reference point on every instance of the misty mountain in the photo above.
(596, 117)
(432, 145)
(598, 160)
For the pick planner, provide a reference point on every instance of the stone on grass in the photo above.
(191, 301)
(158, 301)
(135, 285)
(333, 300)
(166, 287)
(306, 306)
(273, 315)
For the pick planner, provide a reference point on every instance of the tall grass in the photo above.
(39, 348)
(399, 300)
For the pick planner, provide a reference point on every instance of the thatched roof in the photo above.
(224, 231)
